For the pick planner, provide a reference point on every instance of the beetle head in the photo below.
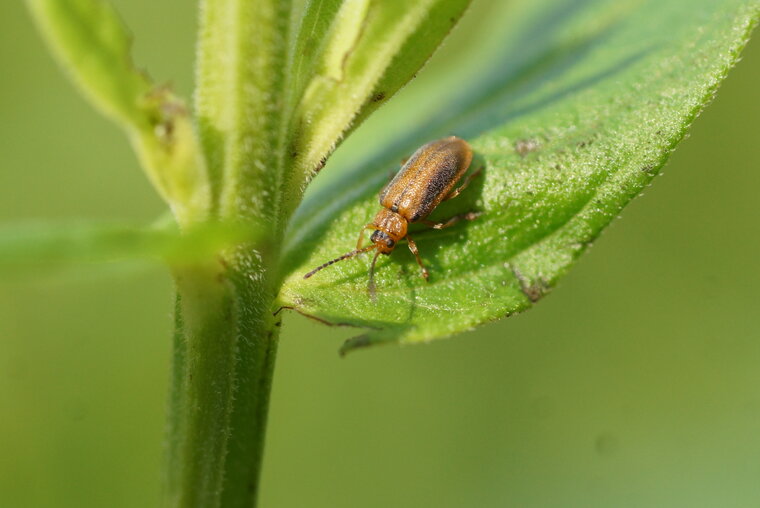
(390, 228)
(385, 244)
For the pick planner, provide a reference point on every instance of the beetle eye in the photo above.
(390, 243)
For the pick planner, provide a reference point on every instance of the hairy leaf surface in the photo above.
(571, 107)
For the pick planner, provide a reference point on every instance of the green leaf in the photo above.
(351, 57)
(30, 247)
(93, 46)
(571, 107)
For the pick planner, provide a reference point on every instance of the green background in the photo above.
(634, 384)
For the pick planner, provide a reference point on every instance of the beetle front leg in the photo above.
(361, 235)
(451, 221)
(413, 248)
(456, 192)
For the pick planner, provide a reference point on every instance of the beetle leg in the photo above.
(464, 185)
(361, 235)
(451, 221)
(413, 248)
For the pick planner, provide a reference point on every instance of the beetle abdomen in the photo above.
(427, 178)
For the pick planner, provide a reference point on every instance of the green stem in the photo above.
(224, 351)
(227, 336)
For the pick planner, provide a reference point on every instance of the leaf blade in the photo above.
(567, 141)
(93, 46)
(31, 246)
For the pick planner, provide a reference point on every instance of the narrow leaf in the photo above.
(350, 57)
(93, 46)
(28, 247)
(571, 111)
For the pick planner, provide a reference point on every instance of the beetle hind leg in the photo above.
(456, 192)
(451, 221)
(416, 252)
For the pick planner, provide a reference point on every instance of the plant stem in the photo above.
(226, 334)
(224, 350)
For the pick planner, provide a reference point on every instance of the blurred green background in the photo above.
(635, 384)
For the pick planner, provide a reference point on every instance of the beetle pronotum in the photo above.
(425, 180)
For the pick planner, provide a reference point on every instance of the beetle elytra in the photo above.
(426, 179)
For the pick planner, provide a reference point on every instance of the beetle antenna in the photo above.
(372, 277)
(341, 258)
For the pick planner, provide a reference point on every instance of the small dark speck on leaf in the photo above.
(525, 146)
(301, 302)
(379, 96)
(165, 132)
(647, 168)
(580, 245)
(534, 290)
(293, 149)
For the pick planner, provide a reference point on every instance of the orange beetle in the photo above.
(426, 179)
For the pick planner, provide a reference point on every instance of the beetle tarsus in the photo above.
(360, 241)
(453, 220)
(456, 192)
(416, 252)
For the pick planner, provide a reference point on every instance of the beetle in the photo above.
(426, 179)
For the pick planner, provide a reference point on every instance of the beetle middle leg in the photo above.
(456, 192)
(451, 221)
(416, 252)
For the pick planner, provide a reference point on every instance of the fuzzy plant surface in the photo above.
(571, 108)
